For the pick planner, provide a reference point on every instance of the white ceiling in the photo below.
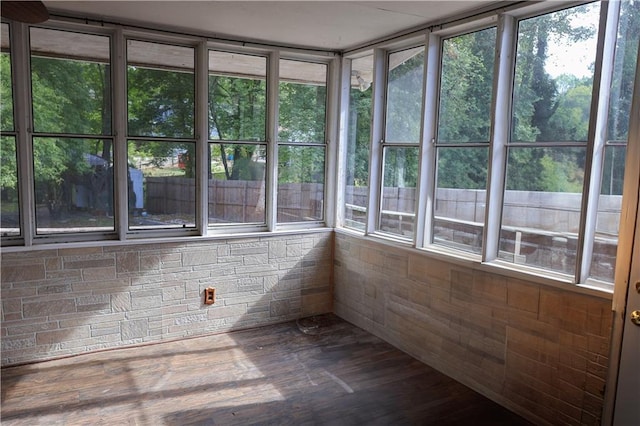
(328, 25)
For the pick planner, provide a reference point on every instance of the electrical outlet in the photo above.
(209, 296)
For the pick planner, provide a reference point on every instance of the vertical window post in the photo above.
(377, 129)
(501, 113)
(427, 165)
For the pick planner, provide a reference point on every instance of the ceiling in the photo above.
(327, 25)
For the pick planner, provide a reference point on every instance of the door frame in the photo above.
(629, 228)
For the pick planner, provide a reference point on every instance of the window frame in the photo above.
(118, 36)
(329, 131)
(379, 132)
(438, 56)
(25, 85)
(13, 133)
(506, 21)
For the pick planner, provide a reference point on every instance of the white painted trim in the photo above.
(500, 130)
(332, 136)
(271, 184)
(377, 131)
(202, 137)
(343, 141)
(597, 136)
(21, 73)
(427, 167)
(119, 102)
(628, 221)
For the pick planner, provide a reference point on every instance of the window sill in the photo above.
(167, 239)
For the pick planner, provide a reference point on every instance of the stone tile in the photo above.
(47, 308)
(22, 273)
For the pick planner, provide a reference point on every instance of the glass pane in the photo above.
(73, 185)
(10, 208)
(71, 91)
(554, 75)
(626, 56)
(622, 86)
(160, 89)
(466, 87)
(358, 142)
(541, 212)
(300, 183)
(237, 97)
(303, 98)
(162, 187)
(461, 197)
(397, 214)
(608, 217)
(237, 183)
(6, 84)
(404, 95)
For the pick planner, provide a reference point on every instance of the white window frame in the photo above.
(20, 54)
(506, 20)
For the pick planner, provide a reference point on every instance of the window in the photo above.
(464, 128)
(358, 142)
(615, 146)
(506, 140)
(72, 143)
(10, 214)
(301, 141)
(550, 120)
(403, 124)
(237, 133)
(161, 128)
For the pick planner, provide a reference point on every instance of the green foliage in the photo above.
(8, 165)
(6, 93)
(302, 110)
(404, 100)
(359, 137)
(466, 87)
(464, 168)
(72, 96)
(161, 103)
(621, 94)
(401, 167)
(546, 169)
(68, 97)
(301, 164)
(237, 109)
(237, 112)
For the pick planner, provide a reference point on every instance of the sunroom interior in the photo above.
(459, 179)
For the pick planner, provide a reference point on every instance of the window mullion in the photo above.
(597, 133)
(271, 185)
(23, 125)
(501, 108)
(341, 159)
(121, 190)
(377, 132)
(426, 169)
(202, 137)
(332, 132)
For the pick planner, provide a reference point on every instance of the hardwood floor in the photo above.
(321, 371)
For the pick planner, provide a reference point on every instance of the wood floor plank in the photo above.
(330, 373)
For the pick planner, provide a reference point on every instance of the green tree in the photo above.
(161, 103)
(237, 112)
(302, 110)
(359, 137)
(68, 97)
(465, 108)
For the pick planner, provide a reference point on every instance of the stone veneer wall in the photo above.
(538, 350)
(58, 302)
